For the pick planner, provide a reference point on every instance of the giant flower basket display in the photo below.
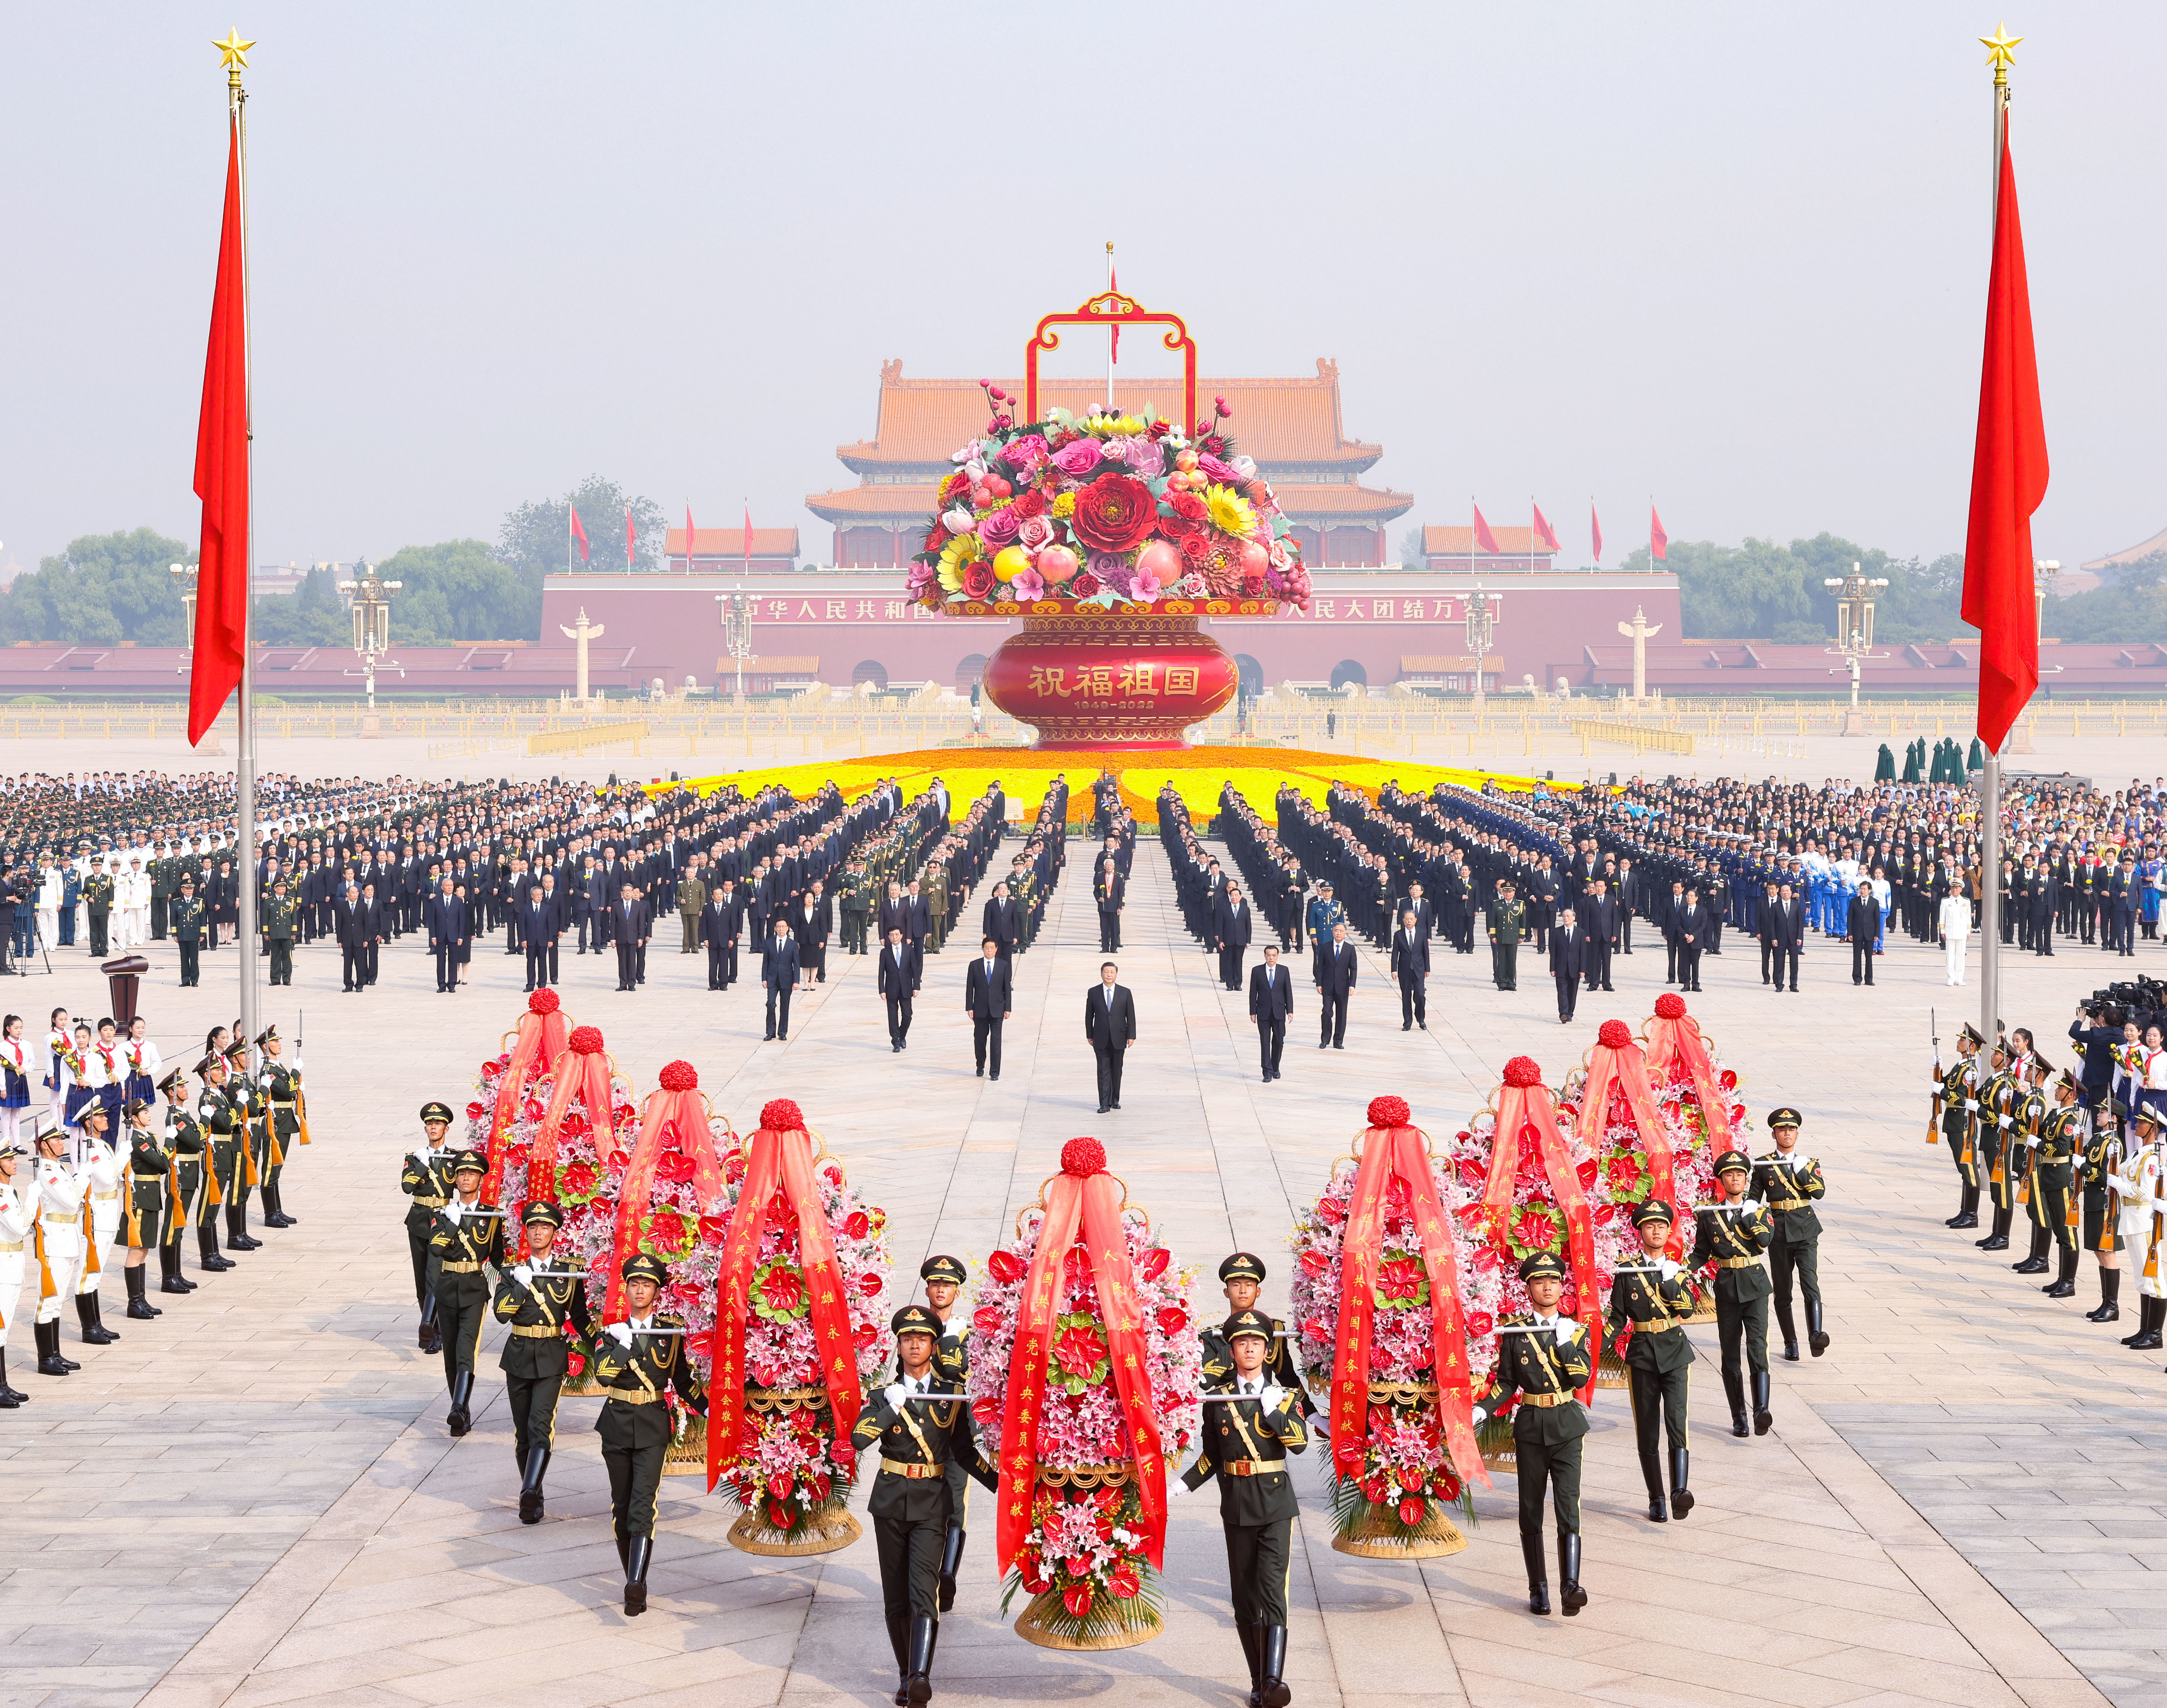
(1085, 1367)
(1377, 1305)
(1111, 534)
(799, 1310)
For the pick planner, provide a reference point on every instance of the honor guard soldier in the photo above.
(913, 1501)
(1732, 1235)
(951, 1357)
(280, 911)
(425, 1177)
(1789, 1182)
(1654, 1298)
(1956, 1111)
(1243, 1276)
(465, 1235)
(97, 1160)
(188, 920)
(1999, 1094)
(280, 1083)
(637, 1360)
(58, 1195)
(185, 1140)
(1507, 918)
(145, 1206)
(252, 1110)
(1544, 1358)
(2032, 1113)
(220, 1125)
(18, 1214)
(2137, 1189)
(2055, 1147)
(2100, 1228)
(536, 1297)
(1244, 1444)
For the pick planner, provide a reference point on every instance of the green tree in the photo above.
(1412, 549)
(460, 591)
(2133, 607)
(1762, 589)
(536, 538)
(314, 615)
(102, 589)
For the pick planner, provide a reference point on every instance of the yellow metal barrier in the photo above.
(1633, 735)
(592, 735)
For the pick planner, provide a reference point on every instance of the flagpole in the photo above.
(244, 769)
(1990, 782)
(1113, 333)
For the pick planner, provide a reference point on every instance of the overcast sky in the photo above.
(1731, 255)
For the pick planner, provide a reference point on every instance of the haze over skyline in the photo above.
(1732, 258)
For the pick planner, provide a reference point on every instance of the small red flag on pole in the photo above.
(688, 537)
(631, 533)
(1485, 541)
(2008, 480)
(579, 532)
(748, 539)
(1658, 541)
(222, 473)
(1544, 531)
(1595, 528)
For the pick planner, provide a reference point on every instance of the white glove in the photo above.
(1666, 1269)
(895, 1394)
(1479, 1415)
(297, 1064)
(2004, 1121)
(452, 1212)
(1272, 1396)
(2031, 1144)
(1971, 1105)
(1568, 1327)
(1178, 1490)
(622, 1334)
(264, 1080)
(523, 1274)
(421, 1155)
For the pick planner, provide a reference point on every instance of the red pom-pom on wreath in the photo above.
(1522, 1071)
(1389, 1112)
(587, 1040)
(782, 1115)
(543, 1001)
(1671, 1005)
(680, 1076)
(1613, 1034)
(1085, 1157)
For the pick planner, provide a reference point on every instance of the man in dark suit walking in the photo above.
(1689, 935)
(448, 923)
(1271, 1001)
(1109, 1023)
(539, 927)
(1335, 984)
(1411, 967)
(630, 926)
(778, 972)
(987, 996)
(356, 931)
(1569, 962)
(720, 921)
(1783, 934)
(1003, 921)
(1230, 934)
(1862, 921)
(1599, 916)
(1110, 890)
(898, 979)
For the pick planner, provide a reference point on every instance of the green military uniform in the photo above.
(248, 1094)
(935, 889)
(913, 1499)
(635, 1367)
(425, 1177)
(186, 1139)
(856, 908)
(2101, 1228)
(1544, 1362)
(223, 1112)
(1788, 1184)
(1733, 1239)
(951, 1357)
(1244, 1445)
(691, 898)
(146, 1204)
(188, 919)
(1654, 1300)
(1508, 918)
(462, 1239)
(281, 1127)
(280, 911)
(1956, 1113)
(1279, 1354)
(2000, 1101)
(536, 1358)
(2054, 1150)
(97, 892)
(2032, 1106)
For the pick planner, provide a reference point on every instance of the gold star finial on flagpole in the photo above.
(233, 54)
(2001, 50)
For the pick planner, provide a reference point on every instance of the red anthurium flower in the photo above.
(1124, 1583)
(1412, 1510)
(1077, 1599)
(1005, 1267)
(1172, 1320)
(857, 1224)
(1155, 1262)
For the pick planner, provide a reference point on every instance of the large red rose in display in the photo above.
(1116, 513)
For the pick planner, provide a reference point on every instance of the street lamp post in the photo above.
(372, 631)
(1854, 630)
(2043, 572)
(736, 612)
(185, 573)
(1481, 633)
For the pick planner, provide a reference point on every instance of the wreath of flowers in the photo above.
(1103, 511)
(1086, 1543)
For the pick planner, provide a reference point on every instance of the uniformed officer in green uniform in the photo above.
(952, 1357)
(279, 912)
(536, 1297)
(425, 1177)
(636, 1360)
(98, 895)
(219, 1116)
(144, 1208)
(279, 1082)
(2054, 1149)
(1653, 1299)
(1509, 917)
(1999, 1097)
(1242, 1277)
(1956, 1091)
(184, 1138)
(855, 906)
(2101, 1232)
(253, 1111)
(1544, 1358)
(1788, 1182)
(1732, 1235)
(465, 1235)
(1244, 1445)
(2021, 1159)
(913, 1499)
(187, 917)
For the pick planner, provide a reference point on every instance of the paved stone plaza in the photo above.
(252, 1500)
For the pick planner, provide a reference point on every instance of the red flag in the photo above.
(1544, 531)
(747, 543)
(2008, 480)
(222, 474)
(1595, 527)
(578, 533)
(688, 537)
(1484, 539)
(631, 533)
(1658, 541)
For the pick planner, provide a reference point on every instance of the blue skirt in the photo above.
(18, 1093)
(78, 1095)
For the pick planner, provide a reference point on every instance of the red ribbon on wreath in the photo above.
(581, 1074)
(778, 1167)
(677, 1112)
(1526, 1113)
(1398, 1149)
(1616, 1060)
(540, 1038)
(1082, 1200)
(1674, 1036)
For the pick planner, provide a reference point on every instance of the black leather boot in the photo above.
(457, 1419)
(138, 1306)
(2035, 1261)
(530, 1485)
(432, 1337)
(1682, 1497)
(94, 1333)
(169, 1270)
(1271, 1689)
(1252, 1652)
(1997, 1238)
(951, 1561)
(10, 1398)
(1966, 1215)
(291, 1219)
(899, 1638)
(1761, 1383)
(1539, 1574)
(2147, 1325)
(208, 1258)
(238, 1236)
(635, 1575)
(1790, 1327)
(1734, 1390)
(274, 1213)
(919, 1687)
(624, 1552)
(50, 1361)
(2065, 1277)
(1817, 1338)
(2110, 1304)
(1571, 1598)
